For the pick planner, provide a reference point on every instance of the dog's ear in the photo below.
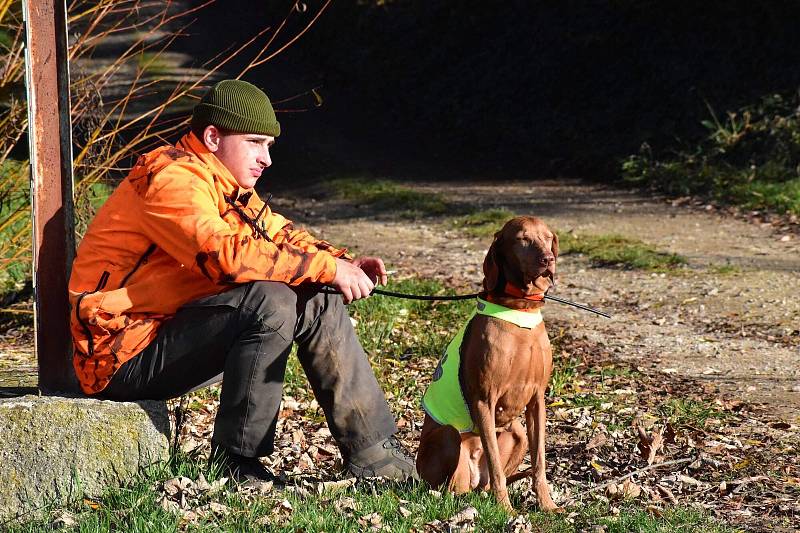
(554, 247)
(491, 265)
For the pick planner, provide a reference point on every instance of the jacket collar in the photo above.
(228, 184)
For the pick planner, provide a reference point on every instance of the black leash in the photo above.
(466, 297)
(258, 230)
(423, 297)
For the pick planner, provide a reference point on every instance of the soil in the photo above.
(730, 319)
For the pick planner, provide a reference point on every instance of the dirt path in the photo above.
(736, 328)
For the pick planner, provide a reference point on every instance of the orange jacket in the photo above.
(175, 229)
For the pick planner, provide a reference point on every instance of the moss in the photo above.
(53, 447)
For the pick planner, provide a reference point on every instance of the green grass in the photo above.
(136, 508)
(563, 376)
(403, 338)
(618, 251)
(98, 193)
(725, 270)
(394, 327)
(398, 333)
(482, 223)
(672, 519)
(688, 412)
(15, 203)
(750, 158)
(132, 508)
(783, 196)
(388, 196)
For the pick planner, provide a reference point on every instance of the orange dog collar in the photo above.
(516, 292)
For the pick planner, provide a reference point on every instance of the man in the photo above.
(186, 274)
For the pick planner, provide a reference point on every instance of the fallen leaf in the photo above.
(519, 524)
(326, 486)
(666, 493)
(169, 505)
(744, 463)
(598, 467)
(372, 521)
(177, 485)
(345, 505)
(91, 504)
(63, 519)
(689, 480)
(468, 514)
(649, 444)
(597, 441)
(218, 509)
(286, 506)
(630, 490)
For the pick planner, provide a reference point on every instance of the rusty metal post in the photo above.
(50, 139)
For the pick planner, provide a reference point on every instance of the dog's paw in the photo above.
(545, 502)
(549, 506)
(504, 502)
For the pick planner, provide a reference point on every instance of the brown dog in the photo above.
(504, 370)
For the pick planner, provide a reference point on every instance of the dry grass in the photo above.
(112, 126)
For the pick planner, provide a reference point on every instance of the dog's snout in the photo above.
(547, 259)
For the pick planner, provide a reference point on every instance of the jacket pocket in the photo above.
(142, 261)
(84, 326)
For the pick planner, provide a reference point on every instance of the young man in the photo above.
(186, 274)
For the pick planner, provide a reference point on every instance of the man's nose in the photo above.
(264, 159)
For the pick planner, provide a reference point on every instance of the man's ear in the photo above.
(211, 137)
(491, 265)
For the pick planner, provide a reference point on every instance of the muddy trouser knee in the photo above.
(246, 334)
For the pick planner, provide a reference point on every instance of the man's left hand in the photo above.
(373, 267)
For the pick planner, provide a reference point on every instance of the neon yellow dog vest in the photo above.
(444, 400)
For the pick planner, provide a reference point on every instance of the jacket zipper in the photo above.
(142, 260)
(100, 286)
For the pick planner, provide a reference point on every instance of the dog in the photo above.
(474, 440)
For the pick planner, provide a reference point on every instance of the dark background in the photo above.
(512, 89)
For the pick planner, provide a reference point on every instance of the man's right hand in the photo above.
(351, 281)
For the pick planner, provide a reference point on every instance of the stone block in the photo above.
(54, 448)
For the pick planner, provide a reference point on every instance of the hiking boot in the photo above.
(240, 468)
(388, 458)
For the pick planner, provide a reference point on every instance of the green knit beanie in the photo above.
(236, 106)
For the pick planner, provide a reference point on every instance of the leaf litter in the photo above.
(608, 429)
(734, 459)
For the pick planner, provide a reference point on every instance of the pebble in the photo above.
(796, 388)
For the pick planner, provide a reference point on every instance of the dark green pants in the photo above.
(246, 334)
